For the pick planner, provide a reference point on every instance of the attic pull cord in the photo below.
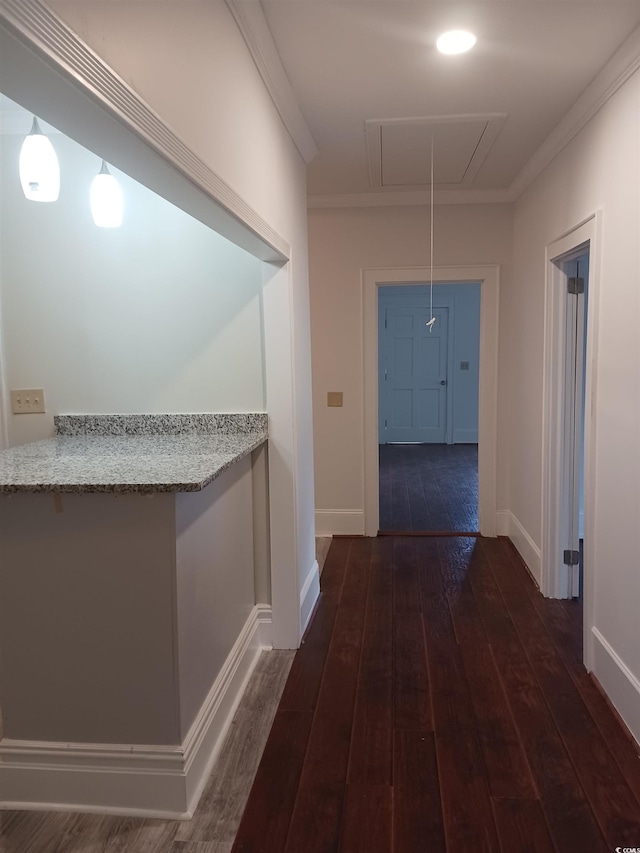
(433, 319)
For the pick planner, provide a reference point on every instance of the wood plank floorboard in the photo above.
(317, 819)
(507, 770)
(374, 693)
(521, 826)
(418, 823)
(464, 686)
(265, 823)
(366, 826)
(615, 808)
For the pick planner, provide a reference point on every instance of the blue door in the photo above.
(414, 398)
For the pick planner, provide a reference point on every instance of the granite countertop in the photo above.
(144, 461)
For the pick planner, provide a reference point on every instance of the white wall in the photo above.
(160, 315)
(341, 244)
(214, 581)
(86, 619)
(599, 170)
(189, 62)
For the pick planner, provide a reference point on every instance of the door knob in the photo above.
(443, 381)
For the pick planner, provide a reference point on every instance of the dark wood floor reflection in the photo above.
(439, 703)
(429, 487)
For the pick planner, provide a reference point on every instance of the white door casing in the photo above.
(554, 582)
(489, 278)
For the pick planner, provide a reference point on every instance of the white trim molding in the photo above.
(409, 198)
(488, 278)
(309, 596)
(255, 30)
(503, 519)
(615, 74)
(554, 578)
(617, 680)
(138, 780)
(509, 525)
(339, 522)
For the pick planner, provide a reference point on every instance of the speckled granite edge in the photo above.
(123, 464)
(187, 424)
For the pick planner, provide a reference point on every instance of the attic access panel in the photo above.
(399, 150)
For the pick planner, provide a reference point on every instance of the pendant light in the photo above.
(107, 203)
(39, 168)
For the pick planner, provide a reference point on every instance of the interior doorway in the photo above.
(569, 449)
(576, 270)
(488, 275)
(428, 401)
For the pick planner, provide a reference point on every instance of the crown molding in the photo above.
(411, 198)
(37, 28)
(250, 18)
(624, 63)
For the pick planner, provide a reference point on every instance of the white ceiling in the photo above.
(362, 61)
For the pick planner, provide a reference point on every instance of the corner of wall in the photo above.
(508, 525)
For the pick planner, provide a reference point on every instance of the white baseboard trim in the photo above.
(619, 683)
(309, 595)
(345, 522)
(503, 517)
(508, 525)
(134, 780)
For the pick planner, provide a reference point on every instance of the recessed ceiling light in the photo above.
(456, 41)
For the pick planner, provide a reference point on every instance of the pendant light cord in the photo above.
(432, 319)
(431, 252)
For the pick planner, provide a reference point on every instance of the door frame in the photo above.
(438, 302)
(554, 577)
(488, 278)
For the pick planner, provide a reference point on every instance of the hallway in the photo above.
(439, 703)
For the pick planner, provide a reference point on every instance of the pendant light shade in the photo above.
(39, 168)
(107, 203)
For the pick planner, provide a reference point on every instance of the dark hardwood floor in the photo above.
(429, 487)
(439, 703)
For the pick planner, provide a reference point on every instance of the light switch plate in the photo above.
(27, 401)
(334, 398)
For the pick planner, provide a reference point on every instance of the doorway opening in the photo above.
(488, 275)
(428, 400)
(569, 395)
(576, 271)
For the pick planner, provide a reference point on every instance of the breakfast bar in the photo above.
(130, 616)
